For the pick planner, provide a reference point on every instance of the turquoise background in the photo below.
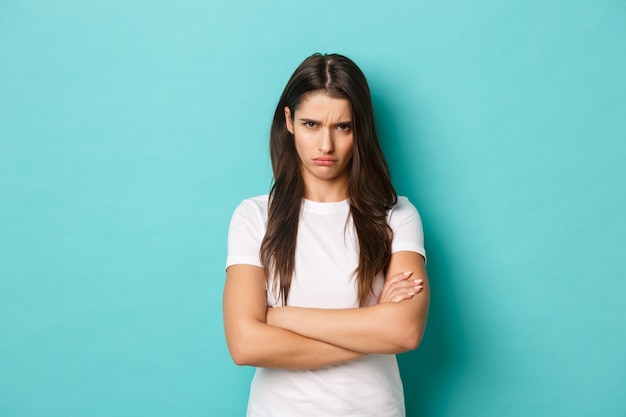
(129, 131)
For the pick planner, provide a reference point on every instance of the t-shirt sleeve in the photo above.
(245, 234)
(406, 224)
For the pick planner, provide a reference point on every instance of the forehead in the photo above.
(323, 104)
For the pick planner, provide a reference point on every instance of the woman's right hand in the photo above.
(400, 287)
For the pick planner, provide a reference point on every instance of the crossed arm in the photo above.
(304, 338)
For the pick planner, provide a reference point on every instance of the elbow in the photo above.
(241, 360)
(241, 350)
(403, 332)
(408, 329)
(242, 354)
(242, 341)
(410, 341)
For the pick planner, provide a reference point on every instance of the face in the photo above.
(322, 129)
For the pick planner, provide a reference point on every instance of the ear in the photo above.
(288, 120)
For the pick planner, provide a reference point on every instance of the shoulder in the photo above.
(402, 212)
(258, 202)
(406, 224)
(251, 213)
(253, 206)
(246, 231)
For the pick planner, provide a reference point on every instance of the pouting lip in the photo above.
(325, 159)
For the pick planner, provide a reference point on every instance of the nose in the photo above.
(326, 144)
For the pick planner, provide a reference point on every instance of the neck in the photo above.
(326, 193)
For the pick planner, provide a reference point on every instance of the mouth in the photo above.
(324, 161)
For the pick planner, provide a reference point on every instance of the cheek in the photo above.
(348, 147)
(303, 138)
(298, 143)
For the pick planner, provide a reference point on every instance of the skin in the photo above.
(387, 327)
(322, 129)
(305, 338)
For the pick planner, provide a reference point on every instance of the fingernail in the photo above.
(407, 273)
(418, 281)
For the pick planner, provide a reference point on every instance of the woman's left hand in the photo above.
(400, 287)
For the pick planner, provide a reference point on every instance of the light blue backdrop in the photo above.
(129, 131)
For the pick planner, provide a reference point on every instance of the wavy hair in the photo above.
(370, 190)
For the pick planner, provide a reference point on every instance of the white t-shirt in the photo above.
(325, 277)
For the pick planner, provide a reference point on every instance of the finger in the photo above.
(398, 288)
(400, 294)
(403, 296)
(404, 286)
(401, 276)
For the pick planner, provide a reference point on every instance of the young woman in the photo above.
(325, 275)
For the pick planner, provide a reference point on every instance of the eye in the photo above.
(344, 127)
(309, 124)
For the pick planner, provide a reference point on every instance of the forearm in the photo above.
(262, 345)
(251, 341)
(383, 328)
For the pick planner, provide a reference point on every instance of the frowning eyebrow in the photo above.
(307, 120)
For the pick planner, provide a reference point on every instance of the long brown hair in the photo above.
(369, 185)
